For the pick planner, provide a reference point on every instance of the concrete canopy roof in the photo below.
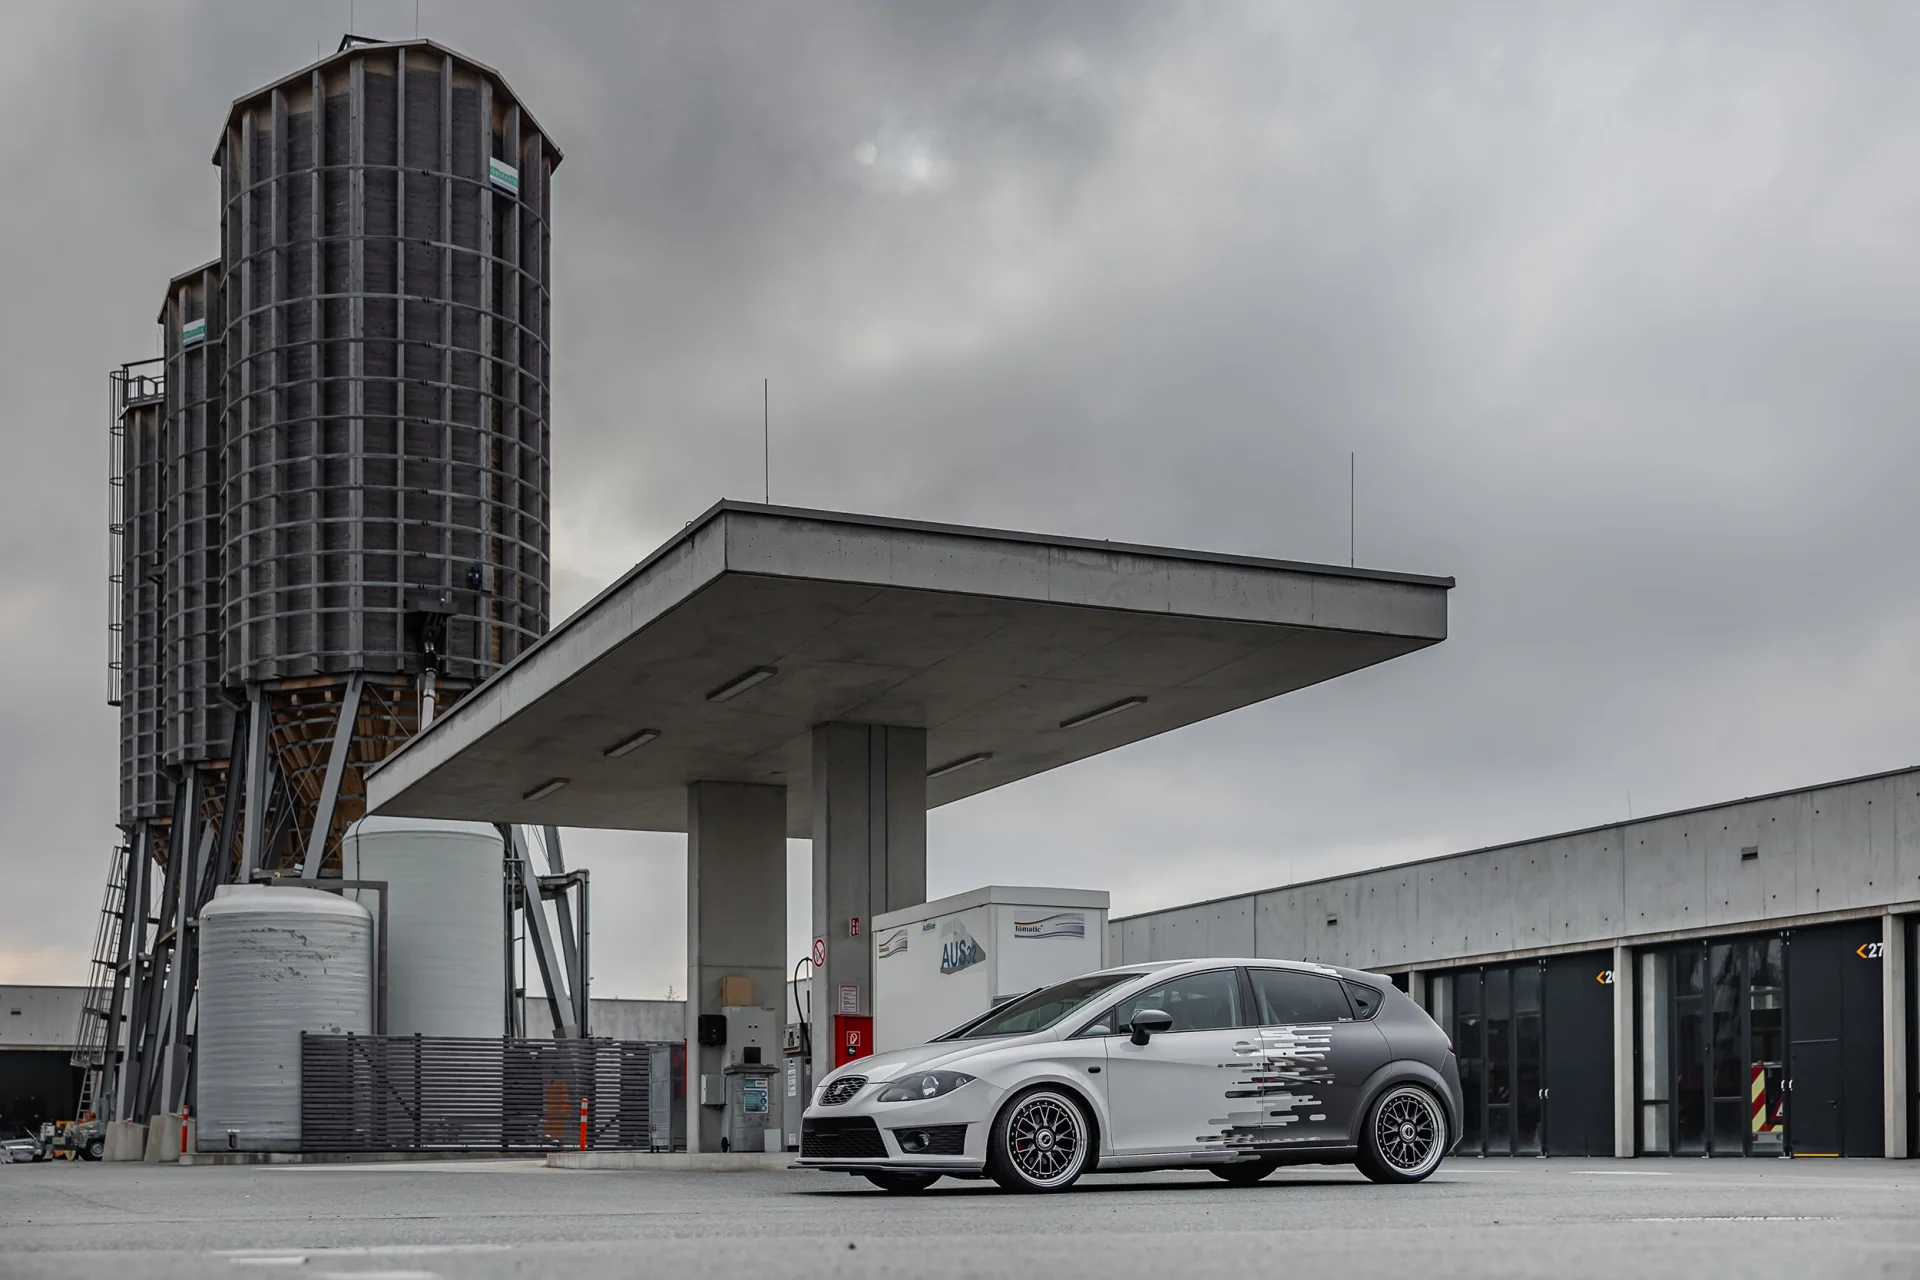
(994, 642)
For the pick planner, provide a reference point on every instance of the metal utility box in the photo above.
(666, 1098)
(752, 1120)
(940, 963)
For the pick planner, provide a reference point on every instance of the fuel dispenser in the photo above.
(746, 1089)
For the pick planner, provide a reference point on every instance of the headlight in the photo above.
(923, 1085)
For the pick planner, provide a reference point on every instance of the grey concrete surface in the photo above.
(1557, 1218)
(987, 639)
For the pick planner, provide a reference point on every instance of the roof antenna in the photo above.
(1350, 470)
(766, 444)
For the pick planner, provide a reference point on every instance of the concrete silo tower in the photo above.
(386, 257)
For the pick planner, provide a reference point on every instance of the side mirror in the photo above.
(1149, 1022)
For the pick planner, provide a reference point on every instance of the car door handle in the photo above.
(1245, 1047)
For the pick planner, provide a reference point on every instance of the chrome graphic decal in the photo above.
(893, 944)
(1279, 1080)
(1062, 924)
(958, 950)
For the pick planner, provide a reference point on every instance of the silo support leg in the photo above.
(336, 769)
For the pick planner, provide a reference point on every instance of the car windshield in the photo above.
(1041, 1009)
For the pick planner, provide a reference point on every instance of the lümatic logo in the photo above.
(958, 950)
(1062, 924)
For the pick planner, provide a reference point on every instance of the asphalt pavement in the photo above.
(1474, 1218)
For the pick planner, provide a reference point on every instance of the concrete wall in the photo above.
(640, 1019)
(1847, 846)
(38, 1017)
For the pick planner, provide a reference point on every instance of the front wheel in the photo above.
(1405, 1137)
(902, 1184)
(95, 1149)
(1041, 1141)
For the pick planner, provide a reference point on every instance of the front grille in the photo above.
(854, 1138)
(940, 1140)
(842, 1090)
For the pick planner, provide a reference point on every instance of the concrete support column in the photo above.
(1893, 1014)
(736, 919)
(1626, 1110)
(869, 856)
(1417, 986)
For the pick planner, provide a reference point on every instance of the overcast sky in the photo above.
(1616, 305)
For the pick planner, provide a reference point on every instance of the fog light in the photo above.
(915, 1141)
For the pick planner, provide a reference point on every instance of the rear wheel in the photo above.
(1405, 1137)
(902, 1184)
(1042, 1141)
(1244, 1173)
(94, 1150)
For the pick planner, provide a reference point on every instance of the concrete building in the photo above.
(37, 1078)
(1729, 980)
(773, 672)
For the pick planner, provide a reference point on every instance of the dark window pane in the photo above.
(1499, 1060)
(1729, 1127)
(1472, 1085)
(1527, 1083)
(1769, 967)
(1466, 992)
(1366, 1001)
(1466, 1040)
(1287, 995)
(1526, 988)
(1198, 1002)
(1499, 993)
(1499, 1131)
(1689, 1076)
(1690, 971)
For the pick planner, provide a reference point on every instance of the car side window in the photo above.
(1104, 1025)
(1288, 995)
(1366, 1000)
(1196, 1002)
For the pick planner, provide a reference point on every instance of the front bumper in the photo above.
(836, 1139)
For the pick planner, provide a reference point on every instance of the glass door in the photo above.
(1712, 1048)
(1493, 1015)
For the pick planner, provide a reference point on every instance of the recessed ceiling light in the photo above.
(546, 789)
(741, 683)
(954, 766)
(634, 743)
(1101, 713)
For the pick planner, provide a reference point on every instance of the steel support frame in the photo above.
(528, 892)
(336, 770)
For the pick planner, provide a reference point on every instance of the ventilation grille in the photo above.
(855, 1138)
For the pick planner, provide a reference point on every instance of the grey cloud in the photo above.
(1615, 306)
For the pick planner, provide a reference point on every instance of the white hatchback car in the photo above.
(1232, 1066)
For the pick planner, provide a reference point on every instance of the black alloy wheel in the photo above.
(1405, 1136)
(1041, 1141)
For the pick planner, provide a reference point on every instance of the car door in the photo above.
(1315, 1056)
(1170, 1095)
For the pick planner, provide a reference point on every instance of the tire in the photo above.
(1245, 1173)
(1405, 1136)
(1041, 1141)
(94, 1150)
(902, 1184)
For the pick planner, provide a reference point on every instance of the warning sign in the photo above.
(819, 953)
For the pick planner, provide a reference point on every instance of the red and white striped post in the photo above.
(583, 1123)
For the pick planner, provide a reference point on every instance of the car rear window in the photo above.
(1366, 1000)
(1288, 995)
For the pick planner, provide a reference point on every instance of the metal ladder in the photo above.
(90, 1038)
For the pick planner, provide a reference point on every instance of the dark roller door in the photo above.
(1835, 1039)
(1579, 1055)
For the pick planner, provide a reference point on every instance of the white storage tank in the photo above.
(446, 921)
(274, 962)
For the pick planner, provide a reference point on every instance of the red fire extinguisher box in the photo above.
(852, 1037)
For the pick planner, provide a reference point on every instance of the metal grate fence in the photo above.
(419, 1093)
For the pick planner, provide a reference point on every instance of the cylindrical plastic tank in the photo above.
(446, 925)
(274, 962)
